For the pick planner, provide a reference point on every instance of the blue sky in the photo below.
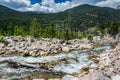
(57, 1)
(54, 5)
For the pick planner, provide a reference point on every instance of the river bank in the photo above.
(28, 46)
(108, 67)
(51, 58)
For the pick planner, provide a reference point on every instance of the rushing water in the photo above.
(64, 63)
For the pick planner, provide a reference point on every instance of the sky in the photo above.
(54, 5)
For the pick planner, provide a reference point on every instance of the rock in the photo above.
(2, 52)
(55, 51)
(85, 69)
(9, 40)
(12, 51)
(10, 45)
(93, 66)
(93, 76)
(65, 49)
(64, 44)
(86, 46)
(56, 60)
(117, 77)
(102, 77)
(69, 77)
(42, 53)
(33, 55)
(74, 74)
(95, 60)
(2, 45)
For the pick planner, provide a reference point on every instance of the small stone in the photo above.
(75, 74)
(86, 69)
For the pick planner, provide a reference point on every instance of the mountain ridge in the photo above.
(78, 17)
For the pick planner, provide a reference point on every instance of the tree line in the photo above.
(63, 31)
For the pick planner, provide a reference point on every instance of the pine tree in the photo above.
(34, 28)
(19, 30)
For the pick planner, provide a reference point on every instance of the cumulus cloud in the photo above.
(109, 3)
(15, 3)
(51, 6)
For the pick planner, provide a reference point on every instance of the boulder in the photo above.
(65, 49)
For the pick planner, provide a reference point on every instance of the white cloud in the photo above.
(109, 3)
(16, 3)
(51, 6)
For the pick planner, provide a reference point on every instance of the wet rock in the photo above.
(56, 60)
(93, 66)
(75, 74)
(69, 77)
(95, 60)
(86, 69)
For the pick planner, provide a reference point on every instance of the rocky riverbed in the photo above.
(29, 58)
(108, 67)
(29, 46)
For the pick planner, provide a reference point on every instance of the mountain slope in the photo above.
(80, 17)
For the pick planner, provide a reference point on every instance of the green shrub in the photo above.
(23, 39)
(32, 40)
(89, 36)
(2, 40)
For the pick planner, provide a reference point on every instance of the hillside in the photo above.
(80, 17)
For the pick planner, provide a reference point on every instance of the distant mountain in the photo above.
(80, 17)
(118, 7)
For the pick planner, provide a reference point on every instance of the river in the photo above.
(13, 67)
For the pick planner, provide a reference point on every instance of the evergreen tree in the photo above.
(19, 30)
(113, 28)
(10, 30)
(34, 28)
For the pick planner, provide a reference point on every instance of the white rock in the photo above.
(117, 77)
(65, 49)
(2, 45)
(69, 77)
(87, 46)
(93, 65)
